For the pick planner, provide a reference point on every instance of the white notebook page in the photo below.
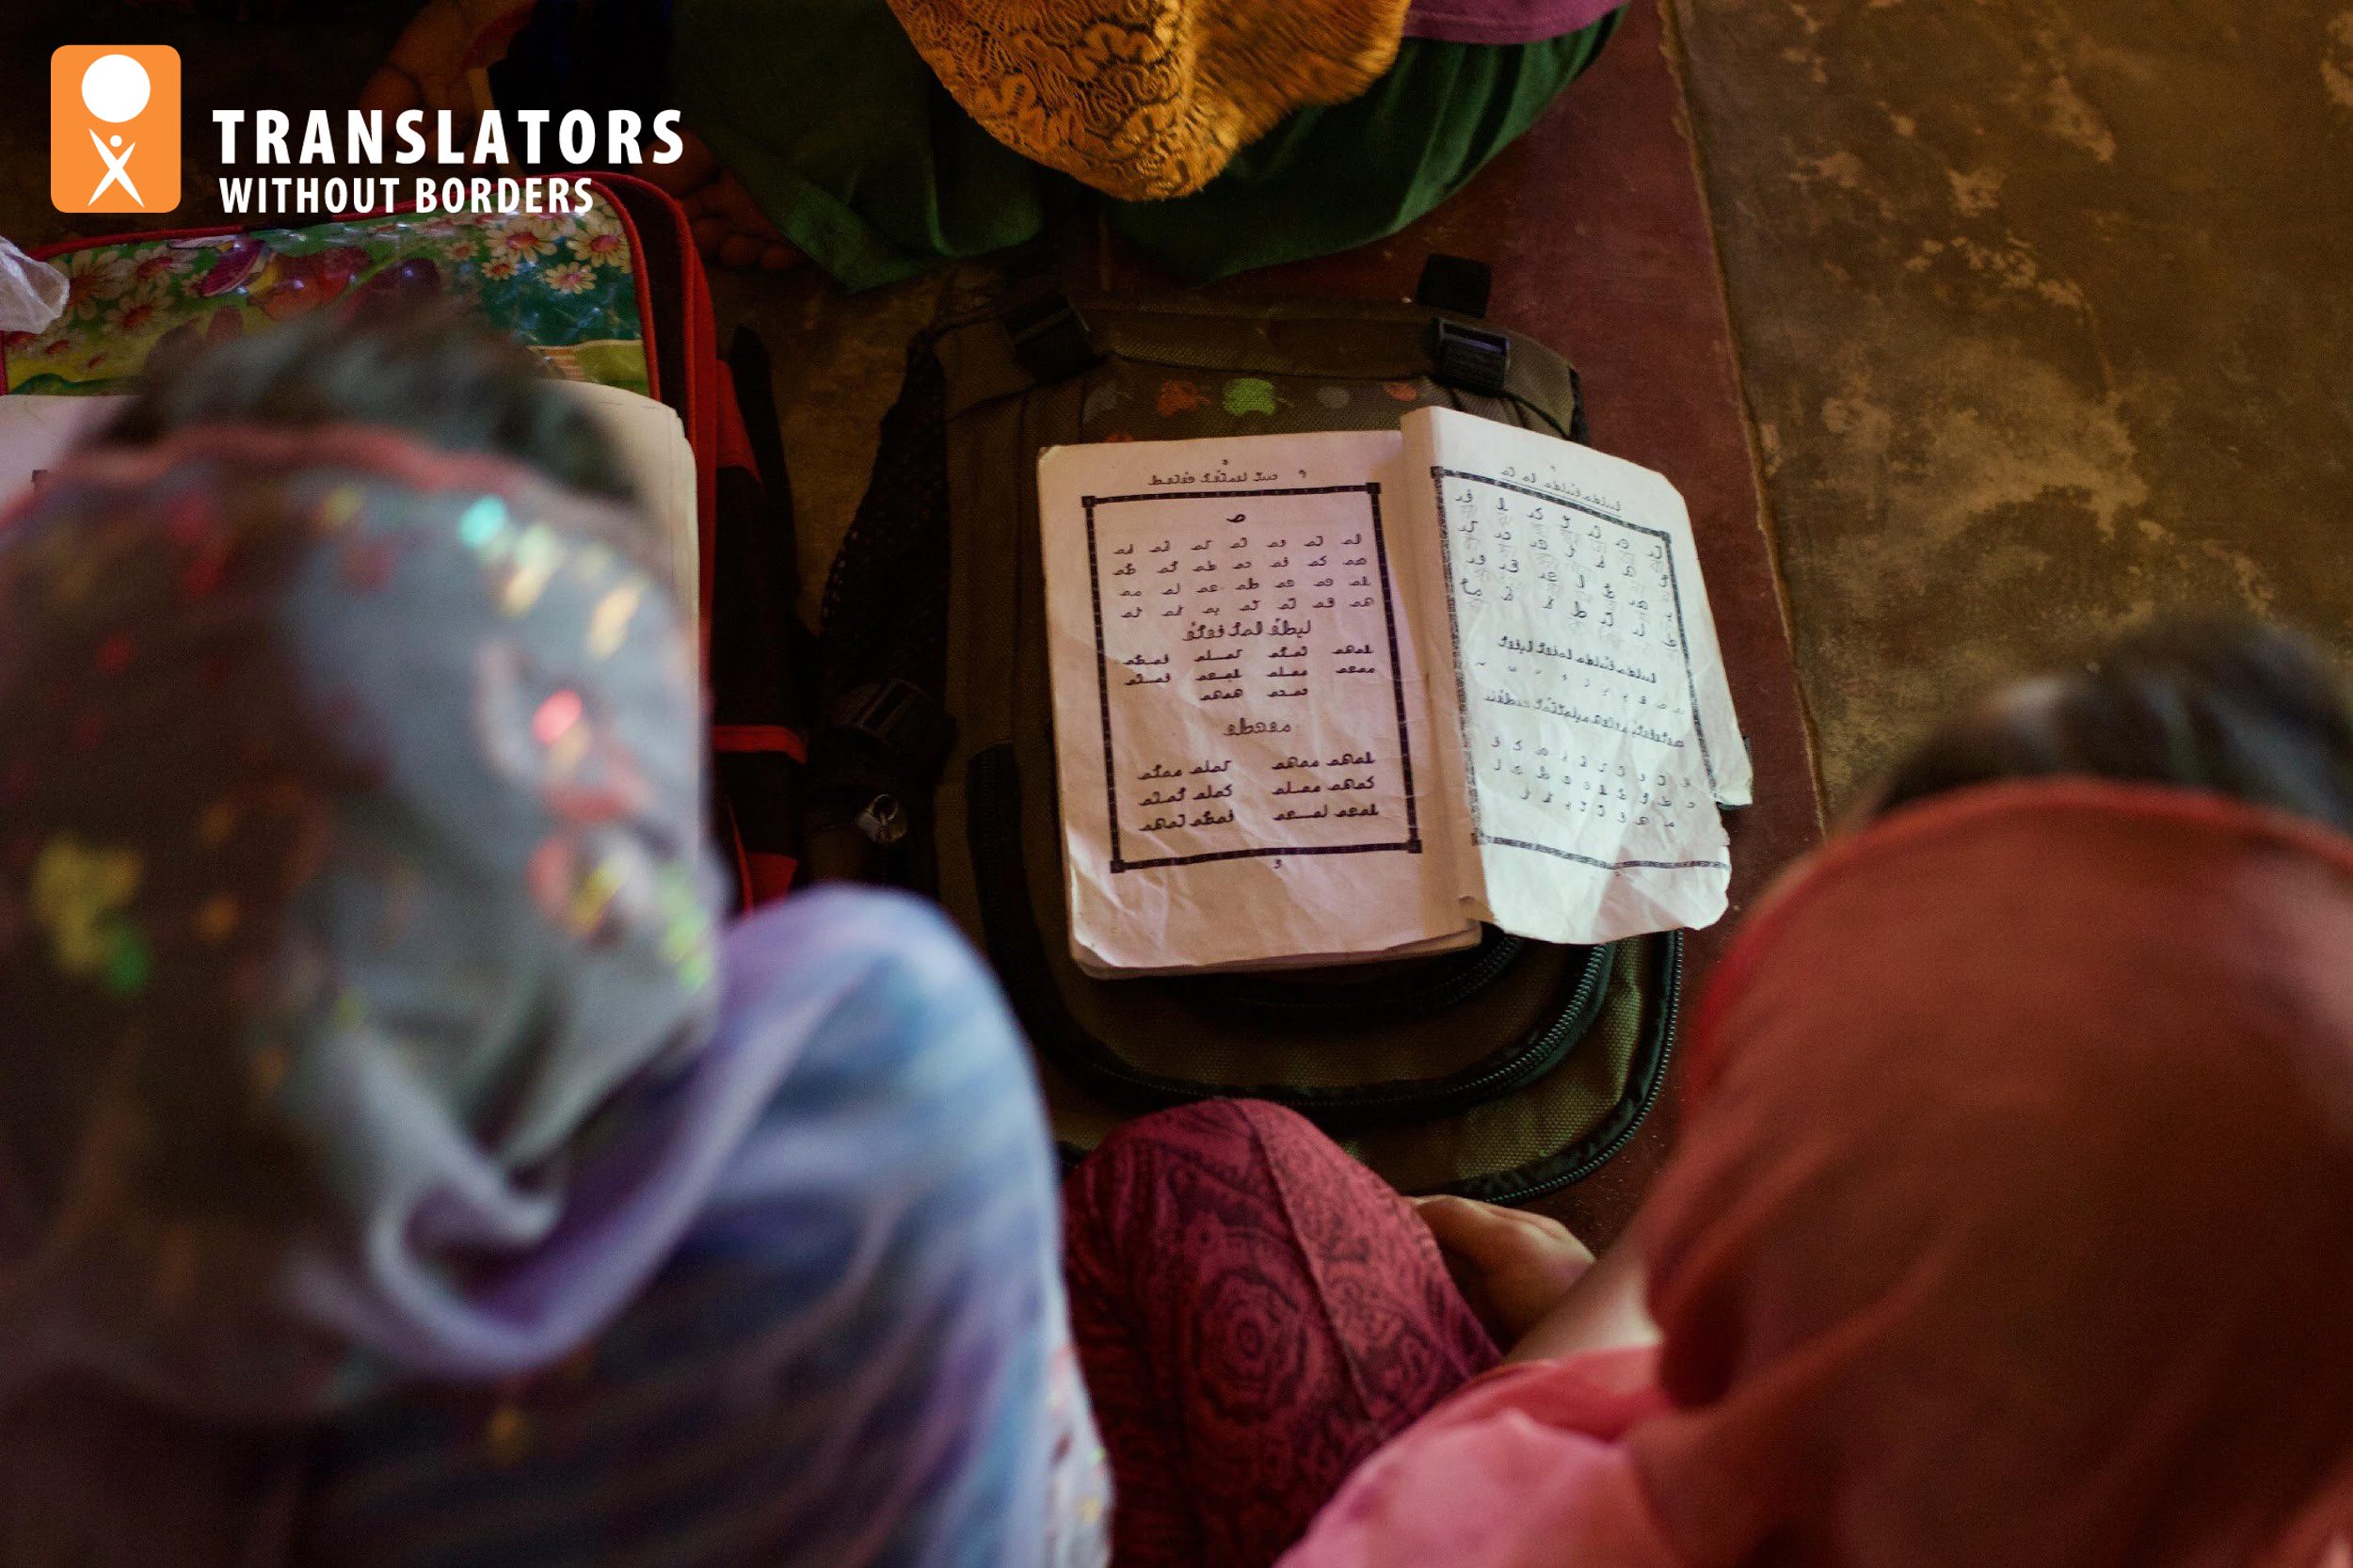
(1241, 726)
(1595, 734)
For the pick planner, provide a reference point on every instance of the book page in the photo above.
(36, 430)
(1595, 731)
(1241, 722)
(652, 442)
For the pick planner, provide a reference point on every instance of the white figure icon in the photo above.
(114, 88)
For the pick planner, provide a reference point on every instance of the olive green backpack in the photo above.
(1502, 1071)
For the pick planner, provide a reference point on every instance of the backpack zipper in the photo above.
(1656, 1086)
(1260, 998)
(1008, 918)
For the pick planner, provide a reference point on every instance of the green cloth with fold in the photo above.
(834, 123)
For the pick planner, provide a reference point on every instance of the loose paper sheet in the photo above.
(35, 430)
(653, 448)
(1242, 729)
(1595, 731)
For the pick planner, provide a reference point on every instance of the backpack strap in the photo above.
(760, 656)
(875, 765)
(883, 731)
(1470, 359)
(901, 732)
(1048, 335)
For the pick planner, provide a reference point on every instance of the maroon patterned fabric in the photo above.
(1255, 1313)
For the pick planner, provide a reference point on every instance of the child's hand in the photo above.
(1512, 1267)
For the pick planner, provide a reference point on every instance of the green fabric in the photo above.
(1333, 179)
(832, 121)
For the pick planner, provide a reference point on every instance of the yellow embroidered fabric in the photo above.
(1147, 99)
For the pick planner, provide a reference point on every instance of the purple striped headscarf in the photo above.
(351, 857)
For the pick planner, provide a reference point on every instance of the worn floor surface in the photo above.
(2043, 312)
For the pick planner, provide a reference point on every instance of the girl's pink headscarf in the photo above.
(2014, 1223)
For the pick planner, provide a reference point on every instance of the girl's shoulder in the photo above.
(1523, 1467)
(879, 1016)
(886, 956)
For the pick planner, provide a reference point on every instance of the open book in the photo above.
(1348, 695)
(35, 431)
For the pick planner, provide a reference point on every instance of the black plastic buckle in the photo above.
(905, 721)
(1473, 358)
(1049, 336)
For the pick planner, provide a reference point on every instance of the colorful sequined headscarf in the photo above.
(350, 859)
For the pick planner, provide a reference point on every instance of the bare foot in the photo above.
(433, 66)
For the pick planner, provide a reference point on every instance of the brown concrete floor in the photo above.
(2043, 316)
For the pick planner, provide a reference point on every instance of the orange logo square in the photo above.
(114, 128)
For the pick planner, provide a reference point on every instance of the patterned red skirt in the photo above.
(1257, 1313)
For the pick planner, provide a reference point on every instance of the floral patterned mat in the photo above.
(564, 285)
